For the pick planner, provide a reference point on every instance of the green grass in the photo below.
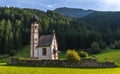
(62, 55)
(112, 55)
(4, 59)
(23, 53)
(54, 70)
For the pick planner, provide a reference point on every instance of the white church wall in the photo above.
(31, 51)
(35, 51)
(54, 44)
(48, 54)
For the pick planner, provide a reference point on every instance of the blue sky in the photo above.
(102, 5)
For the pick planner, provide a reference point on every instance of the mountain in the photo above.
(103, 20)
(71, 33)
(73, 12)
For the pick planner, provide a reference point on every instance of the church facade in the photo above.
(42, 47)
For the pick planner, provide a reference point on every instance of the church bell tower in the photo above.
(34, 37)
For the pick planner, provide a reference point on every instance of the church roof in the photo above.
(45, 40)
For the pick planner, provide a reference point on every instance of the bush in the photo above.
(115, 45)
(72, 55)
(103, 45)
(83, 54)
(12, 52)
(95, 48)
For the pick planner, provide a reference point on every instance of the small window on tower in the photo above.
(35, 39)
(35, 27)
(44, 51)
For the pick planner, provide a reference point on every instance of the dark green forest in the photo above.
(72, 33)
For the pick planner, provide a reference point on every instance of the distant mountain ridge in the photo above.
(73, 12)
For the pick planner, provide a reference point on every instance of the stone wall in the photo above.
(89, 62)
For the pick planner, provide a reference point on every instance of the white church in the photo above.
(42, 47)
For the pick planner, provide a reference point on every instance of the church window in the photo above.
(35, 39)
(44, 51)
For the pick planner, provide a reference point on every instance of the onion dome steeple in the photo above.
(35, 19)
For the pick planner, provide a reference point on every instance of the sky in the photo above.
(100, 5)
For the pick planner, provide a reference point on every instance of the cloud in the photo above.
(111, 1)
(52, 4)
(97, 4)
(110, 4)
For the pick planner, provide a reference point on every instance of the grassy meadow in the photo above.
(55, 70)
(111, 54)
(23, 53)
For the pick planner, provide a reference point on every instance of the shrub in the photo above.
(112, 46)
(83, 54)
(108, 60)
(72, 55)
(103, 45)
(115, 45)
(95, 48)
(12, 52)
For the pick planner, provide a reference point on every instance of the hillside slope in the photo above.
(22, 53)
(103, 20)
(110, 55)
(15, 28)
(73, 12)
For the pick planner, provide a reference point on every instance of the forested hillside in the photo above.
(106, 23)
(73, 12)
(15, 27)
